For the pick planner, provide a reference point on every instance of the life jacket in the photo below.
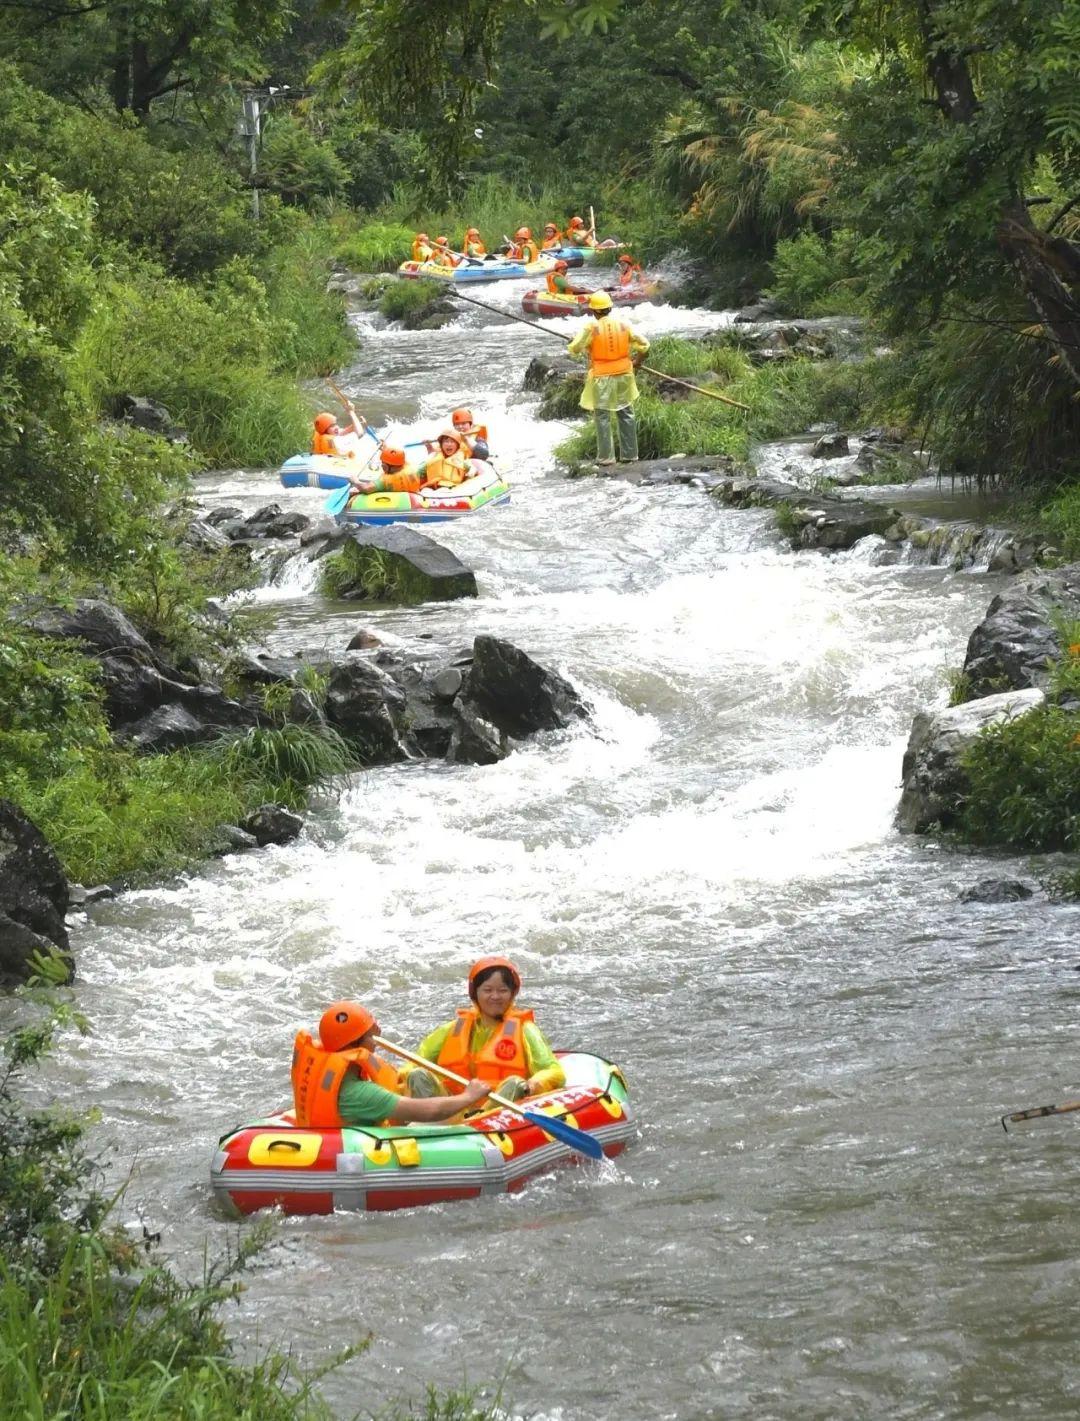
(441, 470)
(470, 436)
(609, 353)
(557, 283)
(550, 243)
(323, 443)
(629, 274)
(317, 1076)
(444, 256)
(580, 237)
(474, 249)
(530, 252)
(421, 251)
(503, 1056)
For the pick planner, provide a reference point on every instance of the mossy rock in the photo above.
(396, 565)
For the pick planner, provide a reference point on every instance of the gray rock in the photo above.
(834, 524)
(363, 640)
(33, 896)
(830, 446)
(544, 370)
(517, 695)
(231, 839)
(80, 897)
(934, 781)
(759, 311)
(996, 890)
(271, 521)
(148, 415)
(397, 564)
(447, 683)
(1013, 644)
(475, 740)
(223, 514)
(659, 473)
(272, 824)
(367, 707)
(99, 624)
(201, 535)
(322, 535)
(163, 729)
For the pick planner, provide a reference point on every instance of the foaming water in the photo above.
(822, 1217)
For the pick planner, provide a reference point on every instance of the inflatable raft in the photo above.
(321, 470)
(582, 256)
(477, 269)
(485, 488)
(274, 1163)
(553, 303)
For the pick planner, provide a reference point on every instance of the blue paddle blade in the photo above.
(338, 501)
(568, 1134)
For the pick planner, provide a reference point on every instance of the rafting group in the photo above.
(360, 1131)
(522, 248)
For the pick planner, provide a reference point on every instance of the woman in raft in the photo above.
(492, 1040)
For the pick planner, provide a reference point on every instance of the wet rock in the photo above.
(322, 535)
(546, 370)
(934, 781)
(430, 318)
(747, 492)
(447, 683)
(100, 625)
(80, 897)
(559, 381)
(397, 564)
(759, 311)
(514, 693)
(830, 446)
(475, 741)
(836, 524)
(224, 513)
(231, 839)
(704, 469)
(363, 640)
(166, 728)
(271, 521)
(996, 890)
(204, 537)
(272, 824)
(1017, 639)
(368, 707)
(147, 415)
(33, 897)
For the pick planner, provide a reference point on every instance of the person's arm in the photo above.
(545, 1070)
(639, 347)
(407, 1111)
(582, 342)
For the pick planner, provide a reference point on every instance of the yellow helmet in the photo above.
(599, 301)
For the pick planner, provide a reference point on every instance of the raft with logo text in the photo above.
(274, 1163)
(485, 489)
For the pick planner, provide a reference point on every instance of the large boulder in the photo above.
(397, 564)
(163, 729)
(272, 824)
(934, 780)
(1017, 639)
(703, 470)
(514, 693)
(147, 415)
(33, 896)
(100, 625)
(368, 708)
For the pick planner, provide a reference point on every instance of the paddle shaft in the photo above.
(1037, 1111)
(698, 390)
(442, 1071)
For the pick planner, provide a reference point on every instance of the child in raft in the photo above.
(492, 1041)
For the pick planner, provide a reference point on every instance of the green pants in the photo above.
(422, 1085)
(605, 445)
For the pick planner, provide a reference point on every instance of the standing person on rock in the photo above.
(340, 1080)
(613, 348)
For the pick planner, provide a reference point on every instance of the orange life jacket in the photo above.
(551, 242)
(470, 436)
(503, 1056)
(609, 353)
(441, 470)
(629, 274)
(421, 251)
(317, 1076)
(473, 249)
(323, 443)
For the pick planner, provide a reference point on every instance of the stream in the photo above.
(822, 1217)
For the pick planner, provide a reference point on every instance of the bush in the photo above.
(1024, 782)
(410, 298)
(376, 246)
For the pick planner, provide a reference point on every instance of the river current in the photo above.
(822, 1217)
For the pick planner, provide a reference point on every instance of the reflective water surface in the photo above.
(822, 1217)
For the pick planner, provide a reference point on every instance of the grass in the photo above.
(410, 298)
(374, 246)
(1058, 520)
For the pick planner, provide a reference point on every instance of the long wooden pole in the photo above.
(660, 374)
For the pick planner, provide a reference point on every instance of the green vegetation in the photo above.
(411, 301)
(94, 1324)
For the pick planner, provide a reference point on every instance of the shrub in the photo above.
(377, 246)
(409, 298)
(1024, 782)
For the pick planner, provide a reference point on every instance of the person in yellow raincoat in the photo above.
(491, 1040)
(421, 247)
(473, 245)
(613, 348)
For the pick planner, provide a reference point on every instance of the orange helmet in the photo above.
(550, 227)
(462, 419)
(442, 241)
(323, 422)
(523, 234)
(562, 266)
(487, 962)
(392, 458)
(473, 232)
(450, 434)
(625, 257)
(342, 1024)
(422, 237)
(575, 222)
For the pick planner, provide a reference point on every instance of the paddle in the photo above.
(697, 389)
(1035, 1112)
(558, 1129)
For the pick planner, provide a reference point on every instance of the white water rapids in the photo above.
(822, 1217)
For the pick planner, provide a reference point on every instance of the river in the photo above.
(823, 1217)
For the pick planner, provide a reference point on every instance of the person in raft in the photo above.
(421, 247)
(445, 469)
(475, 435)
(613, 349)
(473, 245)
(340, 1080)
(578, 235)
(442, 253)
(552, 237)
(558, 284)
(523, 248)
(492, 1040)
(329, 437)
(629, 270)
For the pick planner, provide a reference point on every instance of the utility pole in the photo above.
(250, 127)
